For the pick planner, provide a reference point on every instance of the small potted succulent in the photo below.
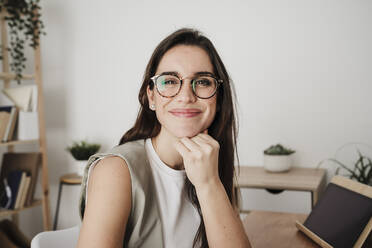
(277, 158)
(81, 151)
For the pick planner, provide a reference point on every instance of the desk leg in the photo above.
(57, 208)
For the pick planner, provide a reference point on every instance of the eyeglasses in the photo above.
(203, 86)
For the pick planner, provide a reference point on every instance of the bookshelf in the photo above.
(8, 78)
(16, 211)
(18, 142)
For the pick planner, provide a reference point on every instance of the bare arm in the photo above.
(222, 224)
(108, 207)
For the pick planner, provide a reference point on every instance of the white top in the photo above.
(180, 220)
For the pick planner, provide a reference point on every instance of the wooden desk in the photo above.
(297, 179)
(274, 229)
(271, 229)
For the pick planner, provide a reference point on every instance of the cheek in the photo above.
(212, 108)
(161, 105)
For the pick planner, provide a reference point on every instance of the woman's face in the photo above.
(184, 115)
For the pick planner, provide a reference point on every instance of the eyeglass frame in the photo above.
(218, 83)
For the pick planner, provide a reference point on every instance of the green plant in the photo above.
(361, 171)
(25, 24)
(278, 150)
(83, 150)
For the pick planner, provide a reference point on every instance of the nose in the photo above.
(186, 94)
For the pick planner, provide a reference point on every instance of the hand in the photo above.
(200, 158)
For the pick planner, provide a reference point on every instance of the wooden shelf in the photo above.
(7, 76)
(15, 211)
(12, 76)
(19, 142)
(296, 179)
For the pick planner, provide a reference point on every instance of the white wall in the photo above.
(302, 71)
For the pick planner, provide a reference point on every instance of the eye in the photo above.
(169, 82)
(205, 82)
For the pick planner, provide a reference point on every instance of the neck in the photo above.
(164, 146)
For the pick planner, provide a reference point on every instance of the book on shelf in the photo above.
(8, 117)
(21, 188)
(14, 179)
(4, 120)
(18, 183)
(25, 125)
(25, 191)
(5, 194)
(4, 114)
(28, 162)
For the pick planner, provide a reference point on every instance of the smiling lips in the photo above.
(185, 112)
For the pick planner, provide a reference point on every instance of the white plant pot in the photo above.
(80, 164)
(277, 163)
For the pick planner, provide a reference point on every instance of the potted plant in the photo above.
(360, 171)
(25, 26)
(277, 158)
(81, 151)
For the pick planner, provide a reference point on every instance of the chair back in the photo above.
(57, 239)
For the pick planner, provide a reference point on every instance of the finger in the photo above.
(191, 145)
(208, 139)
(202, 143)
(205, 131)
(203, 136)
(199, 140)
(181, 148)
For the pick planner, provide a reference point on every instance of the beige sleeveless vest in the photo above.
(144, 226)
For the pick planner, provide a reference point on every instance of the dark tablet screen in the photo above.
(340, 216)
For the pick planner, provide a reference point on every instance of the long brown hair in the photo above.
(223, 128)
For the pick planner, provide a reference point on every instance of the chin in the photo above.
(186, 133)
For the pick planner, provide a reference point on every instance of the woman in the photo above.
(169, 182)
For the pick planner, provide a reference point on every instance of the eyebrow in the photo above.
(199, 73)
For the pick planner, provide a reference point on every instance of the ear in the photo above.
(150, 95)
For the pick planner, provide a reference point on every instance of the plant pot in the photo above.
(80, 164)
(277, 163)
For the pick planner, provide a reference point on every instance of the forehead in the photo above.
(186, 60)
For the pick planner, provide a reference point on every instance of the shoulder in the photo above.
(112, 164)
(126, 161)
(119, 161)
(111, 174)
(132, 153)
(109, 194)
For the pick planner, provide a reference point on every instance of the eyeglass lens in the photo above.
(203, 86)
